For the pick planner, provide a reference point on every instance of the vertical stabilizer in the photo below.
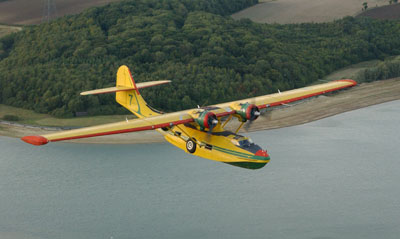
(131, 99)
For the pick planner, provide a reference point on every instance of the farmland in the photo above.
(388, 12)
(25, 12)
(298, 11)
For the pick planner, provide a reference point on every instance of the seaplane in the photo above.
(199, 131)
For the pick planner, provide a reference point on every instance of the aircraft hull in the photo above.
(217, 148)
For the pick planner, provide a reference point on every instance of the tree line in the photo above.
(208, 56)
(384, 70)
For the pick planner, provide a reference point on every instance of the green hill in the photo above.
(209, 57)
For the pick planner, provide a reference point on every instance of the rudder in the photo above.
(131, 99)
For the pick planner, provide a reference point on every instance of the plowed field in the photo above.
(298, 11)
(31, 11)
(388, 12)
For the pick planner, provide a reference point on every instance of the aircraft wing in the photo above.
(285, 97)
(165, 120)
(135, 125)
(182, 117)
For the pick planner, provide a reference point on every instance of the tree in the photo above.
(365, 5)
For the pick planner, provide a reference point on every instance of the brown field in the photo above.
(23, 12)
(388, 12)
(298, 11)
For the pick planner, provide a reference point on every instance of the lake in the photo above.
(333, 178)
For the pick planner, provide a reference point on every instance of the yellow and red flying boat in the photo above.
(197, 131)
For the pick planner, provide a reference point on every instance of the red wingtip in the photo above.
(35, 140)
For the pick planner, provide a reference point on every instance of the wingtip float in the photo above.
(198, 131)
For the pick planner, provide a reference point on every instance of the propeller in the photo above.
(266, 114)
(254, 114)
(212, 121)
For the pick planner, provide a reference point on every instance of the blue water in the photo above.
(334, 178)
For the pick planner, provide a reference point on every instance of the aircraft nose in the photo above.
(262, 153)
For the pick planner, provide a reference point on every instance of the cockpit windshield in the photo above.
(243, 142)
(246, 144)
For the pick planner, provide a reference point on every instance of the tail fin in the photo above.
(132, 100)
(127, 93)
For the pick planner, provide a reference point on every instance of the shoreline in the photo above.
(360, 96)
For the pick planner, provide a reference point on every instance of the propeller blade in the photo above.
(247, 126)
(255, 114)
(212, 122)
(208, 136)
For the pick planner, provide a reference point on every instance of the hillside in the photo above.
(209, 57)
(24, 12)
(299, 11)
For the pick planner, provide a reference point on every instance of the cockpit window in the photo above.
(246, 144)
(243, 142)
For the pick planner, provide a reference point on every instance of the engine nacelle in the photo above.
(246, 111)
(205, 119)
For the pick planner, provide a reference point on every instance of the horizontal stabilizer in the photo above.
(107, 90)
(151, 83)
(125, 88)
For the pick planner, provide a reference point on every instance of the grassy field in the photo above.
(4, 30)
(297, 11)
(31, 118)
(23, 12)
(351, 71)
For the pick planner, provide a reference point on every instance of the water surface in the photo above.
(333, 178)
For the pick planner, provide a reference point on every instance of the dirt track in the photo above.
(317, 108)
(298, 11)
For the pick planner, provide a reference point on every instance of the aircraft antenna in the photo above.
(49, 10)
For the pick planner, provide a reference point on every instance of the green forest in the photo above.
(208, 56)
(387, 69)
